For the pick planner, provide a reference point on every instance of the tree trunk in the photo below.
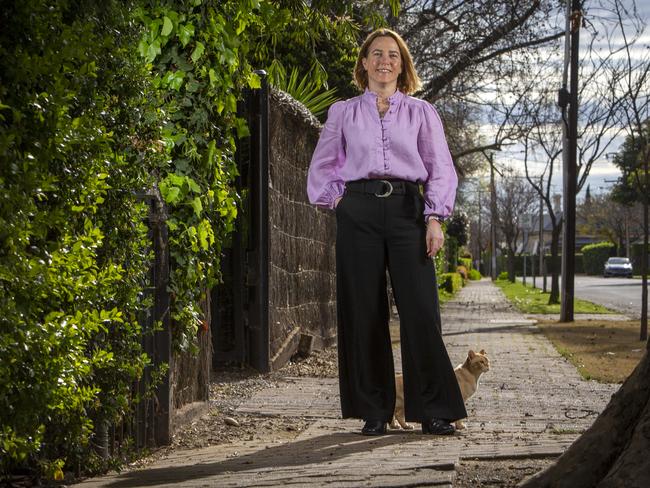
(511, 265)
(555, 269)
(613, 452)
(644, 265)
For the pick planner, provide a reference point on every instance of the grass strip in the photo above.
(533, 300)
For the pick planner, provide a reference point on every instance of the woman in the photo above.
(373, 154)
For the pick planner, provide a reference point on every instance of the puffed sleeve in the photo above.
(441, 183)
(324, 184)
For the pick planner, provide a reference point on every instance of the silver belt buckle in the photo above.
(388, 191)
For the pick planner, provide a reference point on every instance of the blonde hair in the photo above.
(408, 80)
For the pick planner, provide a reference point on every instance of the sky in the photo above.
(603, 173)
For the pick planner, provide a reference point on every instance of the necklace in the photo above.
(382, 105)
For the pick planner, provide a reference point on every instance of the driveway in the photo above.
(620, 294)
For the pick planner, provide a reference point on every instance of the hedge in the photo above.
(502, 263)
(78, 139)
(594, 256)
(467, 262)
(450, 282)
(474, 275)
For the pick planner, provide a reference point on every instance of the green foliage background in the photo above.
(630, 159)
(73, 247)
(100, 101)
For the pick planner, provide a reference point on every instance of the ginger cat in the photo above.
(399, 419)
(467, 374)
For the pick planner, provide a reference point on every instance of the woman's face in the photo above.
(383, 63)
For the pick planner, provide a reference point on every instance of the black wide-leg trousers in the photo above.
(373, 234)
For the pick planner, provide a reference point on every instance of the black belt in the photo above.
(383, 188)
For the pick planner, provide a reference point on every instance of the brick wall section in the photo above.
(302, 280)
(190, 372)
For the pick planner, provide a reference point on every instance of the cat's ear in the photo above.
(471, 354)
(483, 352)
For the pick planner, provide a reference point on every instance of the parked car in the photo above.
(618, 267)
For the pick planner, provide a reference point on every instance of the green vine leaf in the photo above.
(197, 206)
(194, 186)
(198, 52)
(174, 79)
(143, 48)
(185, 33)
(153, 50)
(241, 127)
(253, 81)
(168, 26)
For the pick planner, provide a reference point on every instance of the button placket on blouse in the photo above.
(385, 120)
(385, 145)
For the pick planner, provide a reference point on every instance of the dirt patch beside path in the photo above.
(605, 351)
(501, 473)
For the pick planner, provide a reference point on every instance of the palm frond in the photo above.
(307, 89)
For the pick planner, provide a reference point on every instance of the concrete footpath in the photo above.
(532, 403)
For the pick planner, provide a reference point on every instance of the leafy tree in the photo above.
(629, 159)
(456, 230)
(608, 219)
(634, 161)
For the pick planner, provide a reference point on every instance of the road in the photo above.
(620, 294)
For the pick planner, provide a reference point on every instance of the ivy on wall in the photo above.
(201, 55)
(196, 58)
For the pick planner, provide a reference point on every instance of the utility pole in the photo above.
(542, 272)
(644, 251)
(569, 153)
(480, 257)
(627, 233)
(493, 223)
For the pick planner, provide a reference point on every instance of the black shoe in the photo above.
(374, 427)
(438, 427)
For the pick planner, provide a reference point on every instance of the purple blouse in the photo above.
(408, 143)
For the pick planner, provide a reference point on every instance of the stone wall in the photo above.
(302, 279)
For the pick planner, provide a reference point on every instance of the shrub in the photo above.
(474, 274)
(503, 276)
(467, 262)
(595, 255)
(77, 142)
(451, 282)
(462, 270)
